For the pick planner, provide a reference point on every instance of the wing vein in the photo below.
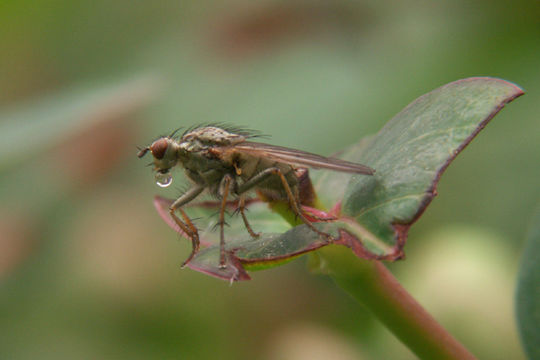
(301, 158)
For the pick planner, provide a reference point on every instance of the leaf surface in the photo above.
(411, 152)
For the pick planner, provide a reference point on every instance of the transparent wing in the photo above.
(301, 158)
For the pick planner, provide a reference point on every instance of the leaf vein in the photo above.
(388, 202)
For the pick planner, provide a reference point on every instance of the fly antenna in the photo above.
(142, 152)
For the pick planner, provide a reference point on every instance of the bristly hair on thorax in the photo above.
(238, 130)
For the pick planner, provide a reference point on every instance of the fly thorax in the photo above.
(199, 162)
(209, 136)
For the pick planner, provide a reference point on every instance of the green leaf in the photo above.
(528, 292)
(412, 151)
(277, 244)
(28, 129)
(373, 213)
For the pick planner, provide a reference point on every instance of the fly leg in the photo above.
(241, 208)
(294, 203)
(187, 225)
(190, 230)
(224, 187)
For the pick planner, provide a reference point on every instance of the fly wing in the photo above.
(301, 158)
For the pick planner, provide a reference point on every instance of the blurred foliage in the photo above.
(88, 270)
(528, 291)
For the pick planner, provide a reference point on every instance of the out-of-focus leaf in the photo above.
(373, 216)
(528, 292)
(30, 128)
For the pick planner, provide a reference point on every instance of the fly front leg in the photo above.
(293, 201)
(187, 225)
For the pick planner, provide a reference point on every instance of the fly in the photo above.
(227, 164)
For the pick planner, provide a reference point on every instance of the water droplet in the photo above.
(163, 180)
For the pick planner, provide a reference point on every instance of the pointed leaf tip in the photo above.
(412, 150)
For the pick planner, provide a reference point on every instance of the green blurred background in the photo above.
(89, 271)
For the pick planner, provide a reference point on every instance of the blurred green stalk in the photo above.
(371, 283)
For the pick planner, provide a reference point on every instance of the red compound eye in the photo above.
(159, 147)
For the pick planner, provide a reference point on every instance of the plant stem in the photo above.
(373, 284)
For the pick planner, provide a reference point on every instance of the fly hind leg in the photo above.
(293, 201)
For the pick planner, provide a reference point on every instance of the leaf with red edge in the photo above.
(411, 152)
(372, 213)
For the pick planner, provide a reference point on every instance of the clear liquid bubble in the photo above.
(163, 180)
